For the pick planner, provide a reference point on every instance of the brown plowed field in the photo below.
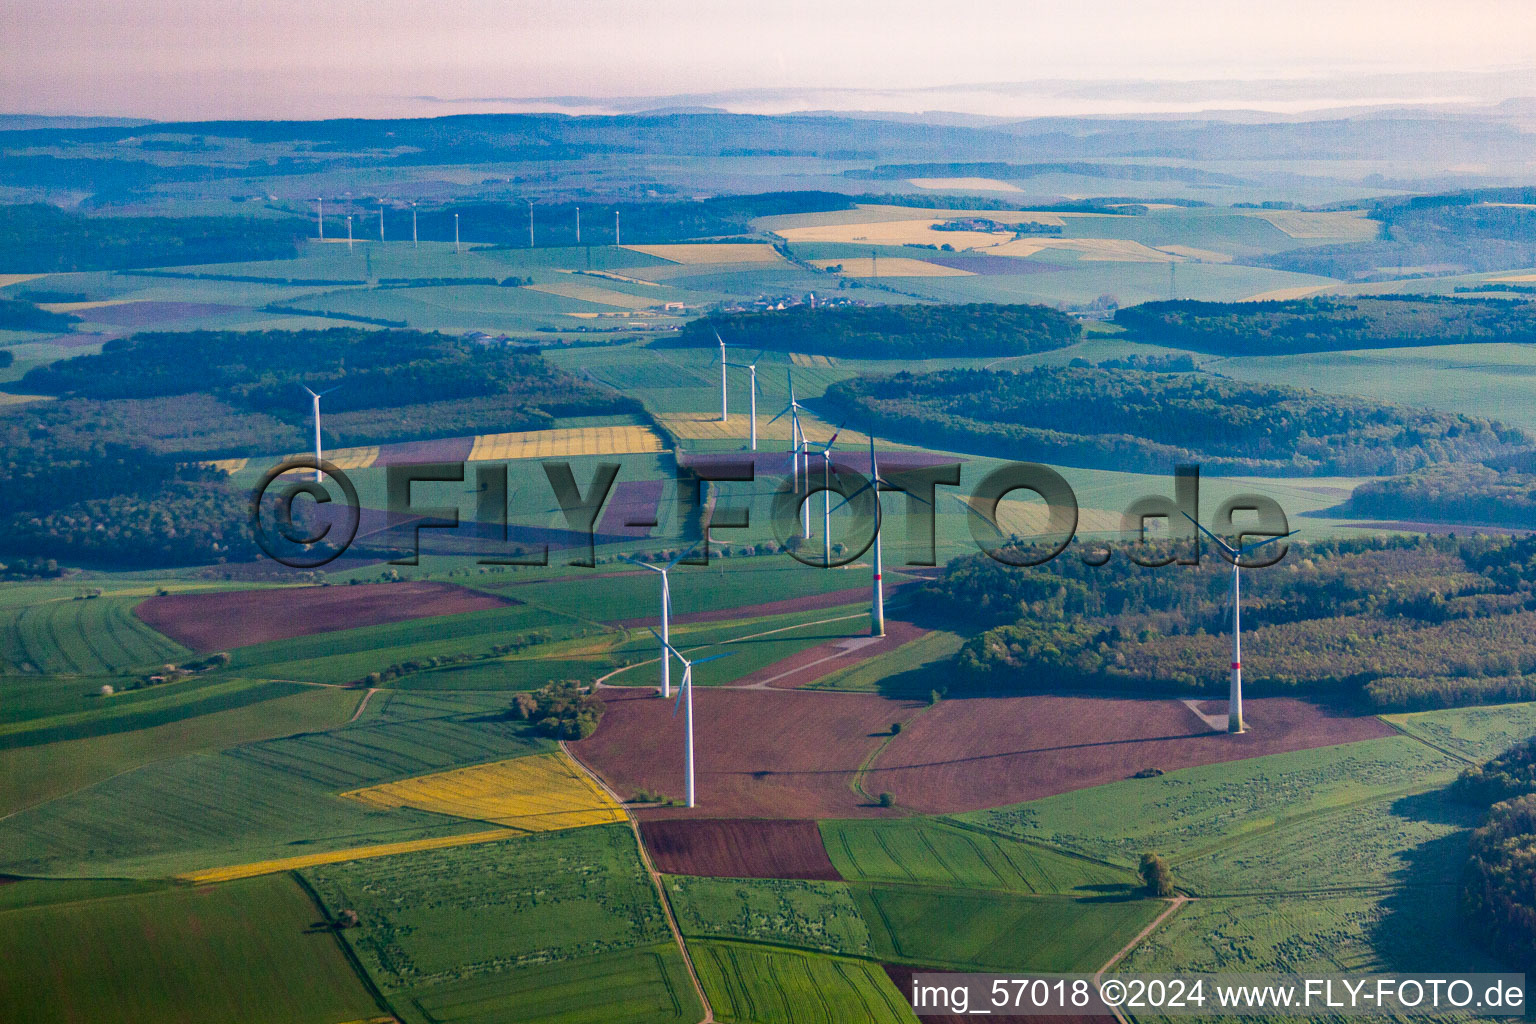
(234, 618)
(736, 848)
(761, 753)
(966, 754)
(901, 976)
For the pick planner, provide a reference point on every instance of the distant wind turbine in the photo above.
(530, 222)
(876, 481)
(315, 399)
(414, 243)
(381, 220)
(1235, 555)
(349, 232)
(320, 216)
(826, 496)
(685, 696)
(796, 449)
(752, 390)
(455, 233)
(725, 405)
(666, 616)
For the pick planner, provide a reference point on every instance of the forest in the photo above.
(40, 239)
(1395, 623)
(888, 332)
(1328, 324)
(1499, 884)
(1470, 493)
(99, 476)
(1148, 422)
(19, 315)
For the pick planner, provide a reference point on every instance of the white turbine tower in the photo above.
(752, 390)
(725, 405)
(1235, 556)
(685, 696)
(315, 401)
(415, 244)
(826, 496)
(381, 220)
(797, 450)
(666, 616)
(349, 232)
(455, 233)
(530, 222)
(877, 598)
(320, 216)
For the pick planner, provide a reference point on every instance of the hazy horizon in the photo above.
(283, 59)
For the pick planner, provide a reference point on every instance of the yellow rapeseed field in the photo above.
(309, 860)
(534, 794)
(547, 444)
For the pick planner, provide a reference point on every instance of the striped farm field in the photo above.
(592, 293)
(539, 793)
(1089, 250)
(94, 636)
(729, 252)
(312, 860)
(802, 359)
(1351, 225)
(342, 458)
(544, 444)
(752, 984)
(891, 266)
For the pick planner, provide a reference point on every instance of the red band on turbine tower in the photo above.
(1237, 664)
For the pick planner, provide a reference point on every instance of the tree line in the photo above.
(914, 331)
(1386, 623)
(39, 239)
(1147, 422)
(1328, 324)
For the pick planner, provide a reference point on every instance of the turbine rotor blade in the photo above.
(1229, 549)
(1267, 540)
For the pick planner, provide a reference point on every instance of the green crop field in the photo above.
(820, 916)
(1407, 840)
(1196, 809)
(143, 709)
(999, 931)
(245, 951)
(1416, 930)
(925, 851)
(32, 774)
(906, 670)
(647, 985)
(400, 735)
(467, 914)
(92, 636)
(1474, 733)
(761, 985)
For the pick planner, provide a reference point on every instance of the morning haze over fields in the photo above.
(680, 513)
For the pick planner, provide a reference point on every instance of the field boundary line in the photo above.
(857, 782)
(346, 948)
(602, 681)
(655, 876)
(1401, 731)
(970, 826)
(362, 704)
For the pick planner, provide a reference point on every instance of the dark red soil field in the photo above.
(234, 618)
(966, 754)
(632, 501)
(141, 314)
(901, 976)
(736, 848)
(761, 753)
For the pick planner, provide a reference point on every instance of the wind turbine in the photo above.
(666, 616)
(320, 216)
(530, 222)
(725, 407)
(455, 233)
(349, 232)
(315, 397)
(1234, 555)
(381, 220)
(796, 449)
(826, 496)
(751, 369)
(414, 243)
(877, 599)
(685, 696)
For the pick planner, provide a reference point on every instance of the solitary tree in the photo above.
(1155, 875)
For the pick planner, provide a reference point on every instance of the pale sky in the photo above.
(317, 58)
